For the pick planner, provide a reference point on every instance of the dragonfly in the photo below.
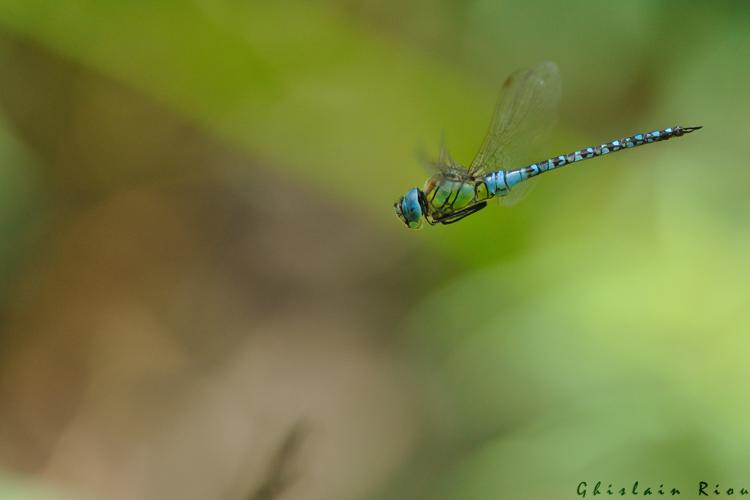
(524, 115)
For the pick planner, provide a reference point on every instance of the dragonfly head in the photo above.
(411, 207)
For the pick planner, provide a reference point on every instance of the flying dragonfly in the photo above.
(525, 113)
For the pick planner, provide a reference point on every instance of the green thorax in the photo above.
(446, 194)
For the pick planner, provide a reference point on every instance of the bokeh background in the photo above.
(206, 294)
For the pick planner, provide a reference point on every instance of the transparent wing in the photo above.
(444, 163)
(518, 193)
(525, 114)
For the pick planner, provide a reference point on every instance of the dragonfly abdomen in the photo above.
(513, 177)
(497, 184)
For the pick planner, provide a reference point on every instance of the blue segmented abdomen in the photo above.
(500, 183)
(497, 184)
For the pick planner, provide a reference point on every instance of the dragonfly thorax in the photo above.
(447, 194)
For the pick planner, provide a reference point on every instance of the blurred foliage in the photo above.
(598, 330)
(23, 490)
(19, 203)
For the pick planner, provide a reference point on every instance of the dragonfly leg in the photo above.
(430, 220)
(457, 216)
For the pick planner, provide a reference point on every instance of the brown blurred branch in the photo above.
(280, 474)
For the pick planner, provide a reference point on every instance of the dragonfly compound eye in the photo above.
(409, 209)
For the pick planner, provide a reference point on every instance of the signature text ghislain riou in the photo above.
(703, 488)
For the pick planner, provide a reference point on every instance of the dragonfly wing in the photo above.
(525, 114)
(444, 164)
(518, 193)
(444, 158)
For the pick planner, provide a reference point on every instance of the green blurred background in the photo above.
(206, 293)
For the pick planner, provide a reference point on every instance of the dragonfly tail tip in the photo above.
(687, 130)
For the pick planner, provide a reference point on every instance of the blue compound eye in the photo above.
(409, 209)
